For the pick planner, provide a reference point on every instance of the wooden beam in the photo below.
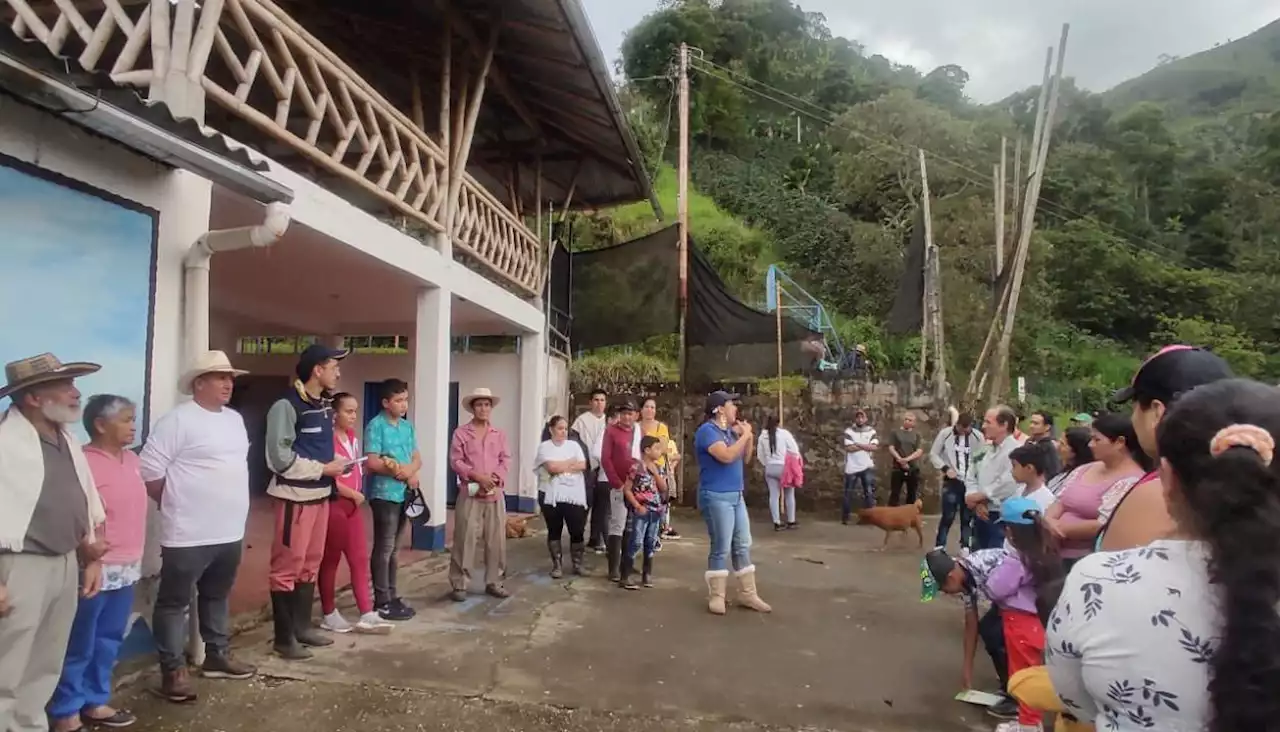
(500, 80)
(416, 111)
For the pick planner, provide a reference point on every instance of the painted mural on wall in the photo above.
(76, 281)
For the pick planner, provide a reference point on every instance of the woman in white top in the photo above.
(772, 448)
(1183, 634)
(560, 464)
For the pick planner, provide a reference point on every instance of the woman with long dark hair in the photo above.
(1119, 462)
(1074, 452)
(560, 463)
(772, 449)
(1183, 633)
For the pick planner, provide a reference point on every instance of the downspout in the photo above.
(196, 269)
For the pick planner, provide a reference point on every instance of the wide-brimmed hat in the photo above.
(481, 393)
(41, 369)
(209, 362)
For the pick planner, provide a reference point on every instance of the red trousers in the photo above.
(298, 545)
(346, 538)
(1024, 640)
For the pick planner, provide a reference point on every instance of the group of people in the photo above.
(1138, 587)
(74, 527)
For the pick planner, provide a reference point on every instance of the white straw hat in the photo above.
(481, 393)
(209, 362)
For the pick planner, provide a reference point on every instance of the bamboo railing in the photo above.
(253, 60)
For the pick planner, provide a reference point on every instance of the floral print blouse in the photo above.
(1129, 643)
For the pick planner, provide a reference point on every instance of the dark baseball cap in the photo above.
(717, 399)
(1173, 371)
(316, 355)
(625, 405)
(939, 564)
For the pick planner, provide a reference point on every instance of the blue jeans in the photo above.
(644, 532)
(96, 636)
(858, 487)
(728, 527)
(988, 534)
(953, 505)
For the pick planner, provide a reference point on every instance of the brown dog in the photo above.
(517, 527)
(892, 519)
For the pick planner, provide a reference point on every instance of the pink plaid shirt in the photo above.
(472, 456)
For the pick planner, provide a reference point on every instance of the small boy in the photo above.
(391, 444)
(646, 493)
(1030, 464)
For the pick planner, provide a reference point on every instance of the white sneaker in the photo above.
(1015, 727)
(335, 623)
(373, 624)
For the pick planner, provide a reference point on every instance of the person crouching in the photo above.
(646, 494)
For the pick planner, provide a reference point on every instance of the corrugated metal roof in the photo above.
(36, 56)
(548, 66)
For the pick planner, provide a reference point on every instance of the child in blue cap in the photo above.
(1031, 563)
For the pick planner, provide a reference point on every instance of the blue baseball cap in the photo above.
(315, 355)
(1018, 510)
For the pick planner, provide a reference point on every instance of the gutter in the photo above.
(580, 26)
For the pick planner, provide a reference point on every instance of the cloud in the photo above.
(1001, 43)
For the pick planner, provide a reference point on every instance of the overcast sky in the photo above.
(1001, 43)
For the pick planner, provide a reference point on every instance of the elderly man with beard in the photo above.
(196, 466)
(49, 553)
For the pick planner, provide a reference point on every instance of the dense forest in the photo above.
(1158, 220)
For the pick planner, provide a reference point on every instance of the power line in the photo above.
(827, 117)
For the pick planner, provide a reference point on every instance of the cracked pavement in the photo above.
(849, 646)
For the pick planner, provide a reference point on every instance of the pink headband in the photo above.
(1244, 435)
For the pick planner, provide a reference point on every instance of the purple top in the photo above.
(1010, 586)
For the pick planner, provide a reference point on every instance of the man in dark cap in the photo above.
(1140, 516)
(300, 454)
(966, 576)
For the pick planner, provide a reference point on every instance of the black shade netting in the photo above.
(907, 315)
(626, 293)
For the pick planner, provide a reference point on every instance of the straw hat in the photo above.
(209, 362)
(42, 369)
(481, 393)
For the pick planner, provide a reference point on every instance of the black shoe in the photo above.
(793, 525)
(1005, 709)
(395, 611)
(778, 527)
(614, 546)
(671, 534)
(646, 576)
(304, 595)
(282, 616)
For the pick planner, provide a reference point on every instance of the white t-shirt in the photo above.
(856, 462)
(1043, 497)
(203, 458)
(768, 455)
(563, 487)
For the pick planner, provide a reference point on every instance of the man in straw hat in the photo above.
(480, 458)
(195, 464)
(300, 454)
(48, 546)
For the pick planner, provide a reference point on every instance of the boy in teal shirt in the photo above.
(391, 445)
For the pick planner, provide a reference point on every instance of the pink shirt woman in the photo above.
(1075, 517)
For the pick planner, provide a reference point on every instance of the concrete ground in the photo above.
(849, 646)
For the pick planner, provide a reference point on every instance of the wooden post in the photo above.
(445, 240)
(682, 207)
(416, 111)
(1017, 180)
(926, 307)
(1000, 222)
(932, 286)
(999, 381)
(777, 309)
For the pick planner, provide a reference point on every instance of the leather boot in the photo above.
(747, 595)
(646, 576)
(304, 595)
(613, 546)
(556, 550)
(282, 616)
(717, 583)
(576, 553)
(628, 581)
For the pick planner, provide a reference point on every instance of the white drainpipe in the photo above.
(196, 268)
(196, 305)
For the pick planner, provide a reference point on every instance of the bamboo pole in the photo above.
(1017, 180)
(777, 310)
(682, 209)
(1000, 222)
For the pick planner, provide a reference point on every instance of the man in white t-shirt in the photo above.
(860, 445)
(590, 427)
(195, 464)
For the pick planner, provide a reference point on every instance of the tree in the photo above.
(944, 86)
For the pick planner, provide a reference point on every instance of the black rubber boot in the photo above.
(613, 546)
(646, 577)
(304, 595)
(628, 581)
(282, 614)
(556, 549)
(576, 554)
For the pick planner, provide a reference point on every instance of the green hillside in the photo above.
(1238, 77)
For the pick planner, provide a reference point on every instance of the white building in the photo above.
(407, 202)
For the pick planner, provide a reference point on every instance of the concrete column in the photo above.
(429, 409)
(533, 414)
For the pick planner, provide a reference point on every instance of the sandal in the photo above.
(116, 721)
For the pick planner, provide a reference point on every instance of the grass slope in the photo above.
(1238, 77)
